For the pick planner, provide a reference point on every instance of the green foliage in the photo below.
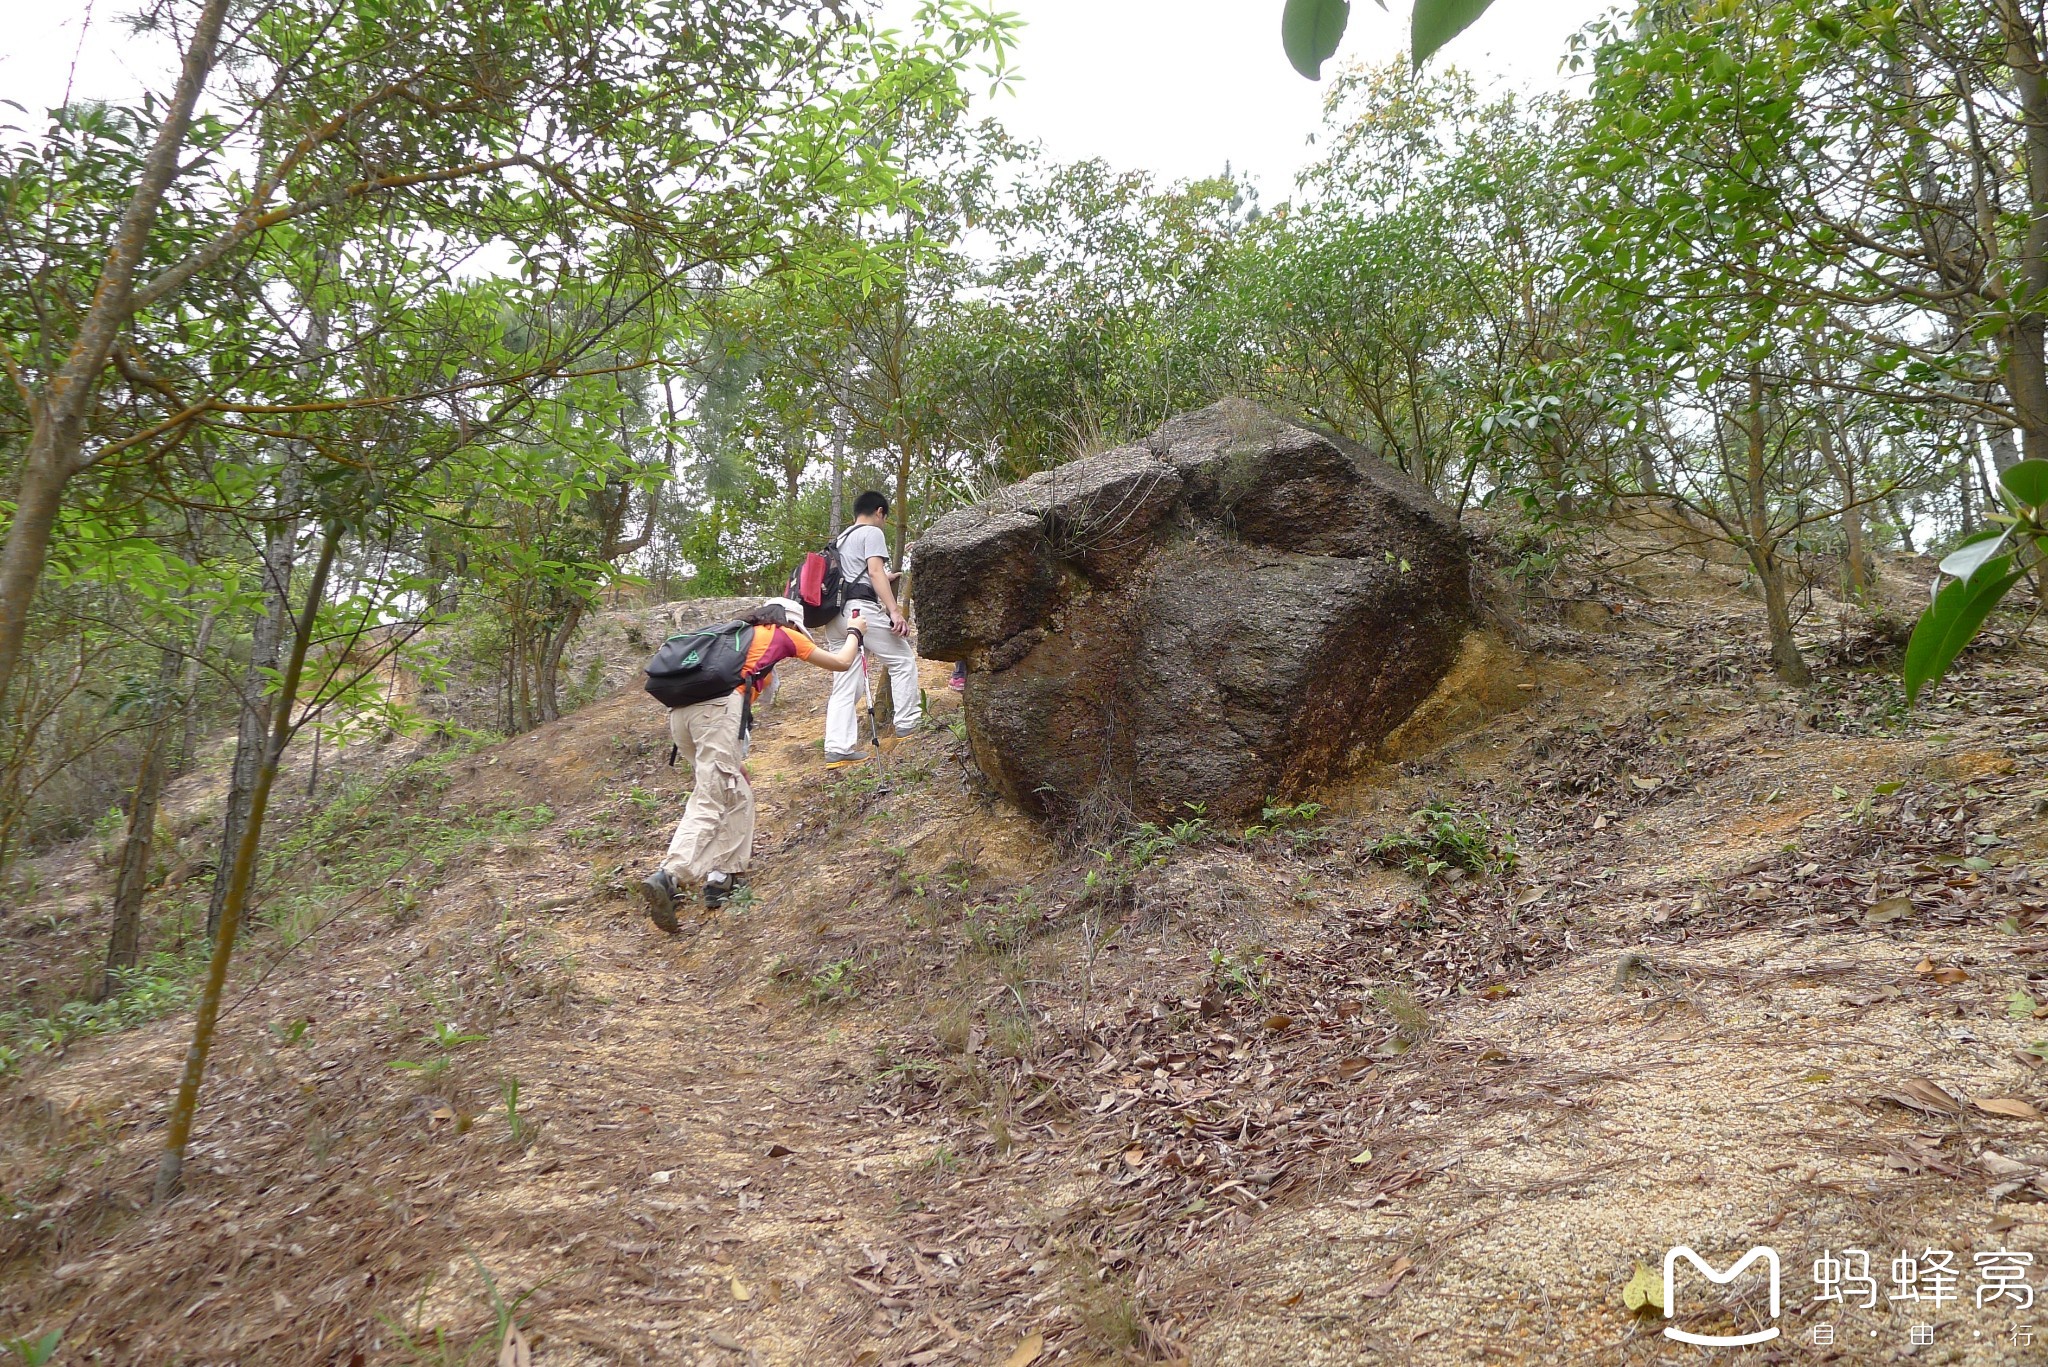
(1436, 22)
(1240, 972)
(832, 983)
(1278, 816)
(370, 830)
(1952, 619)
(1005, 927)
(1984, 571)
(522, 1130)
(1442, 841)
(1147, 846)
(33, 1352)
(443, 1347)
(1310, 31)
(157, 987)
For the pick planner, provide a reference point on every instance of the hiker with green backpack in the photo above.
(709, 681)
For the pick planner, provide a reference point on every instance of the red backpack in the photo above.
(819, 584)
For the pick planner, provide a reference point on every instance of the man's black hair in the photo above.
(873, 501)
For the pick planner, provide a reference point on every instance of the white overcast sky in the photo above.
(1177, 87)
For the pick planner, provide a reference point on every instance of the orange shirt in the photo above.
(770, 647)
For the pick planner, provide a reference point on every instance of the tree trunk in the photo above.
(253, 723)
(2026, 370)
(188, 738)
(59, 409)
(550, 667)
(1902, 522)
(2005, 450)
(1856, 551)
(38, 495)
(1785, 656)
(1763, 545)
(836, 517)
(124, 942)
(239, 875)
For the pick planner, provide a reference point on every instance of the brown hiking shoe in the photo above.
(658, 890)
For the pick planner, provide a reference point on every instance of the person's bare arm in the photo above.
(885, 594)
(840, 660)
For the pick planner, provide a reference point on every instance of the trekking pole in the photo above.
(867, 688)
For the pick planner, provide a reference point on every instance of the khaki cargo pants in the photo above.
(716, 834)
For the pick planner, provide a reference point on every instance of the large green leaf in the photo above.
(1310, 31)
(1963, 561)
(1436, 22)
(2028, 481)
(1951, 620)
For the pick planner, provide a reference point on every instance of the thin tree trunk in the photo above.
(2026, 368)
(1855, 549)
(1902, 522)
(239, 876)
(1763, 545)
(550, 667)
(837, 516)
(266, 639)
(188, 739)
(124, 941)
(58, 411)
(2005, 450)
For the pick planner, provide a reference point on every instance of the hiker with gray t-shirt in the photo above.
(870, 595)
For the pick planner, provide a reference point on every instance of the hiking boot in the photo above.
(840, 757)
(658, 890)
(717, 888)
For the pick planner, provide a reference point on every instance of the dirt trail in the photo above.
(929, 1094)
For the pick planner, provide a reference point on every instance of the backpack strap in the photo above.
(751, 683)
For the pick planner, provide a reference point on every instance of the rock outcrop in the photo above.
(1237, 607)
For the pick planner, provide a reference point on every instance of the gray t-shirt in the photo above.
(855, 547)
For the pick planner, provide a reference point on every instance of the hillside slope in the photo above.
(939, 1091)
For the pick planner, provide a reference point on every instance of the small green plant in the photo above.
(1411, 1021)
(34, 1352)
(448, 1035)
(1146, 846)
(439, 1348)
(1011, 1037)
(958, 727)
(426, 1069)
(158, 986)
(1240, 973)
(521, 1129)
(289, 1035)
(108, 831)
(826, 985)
(1005, 927)
(1444, 842)
(1278, 816)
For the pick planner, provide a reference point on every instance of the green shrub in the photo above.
(1444, 842)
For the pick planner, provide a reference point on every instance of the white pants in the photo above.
(716, 834)
(849, 699)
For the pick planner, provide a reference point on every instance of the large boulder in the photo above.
(1238, 607)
